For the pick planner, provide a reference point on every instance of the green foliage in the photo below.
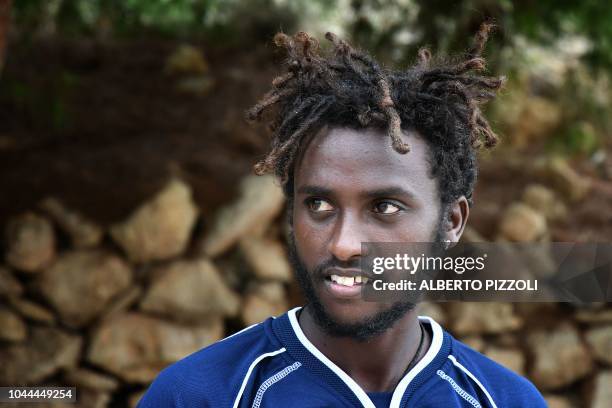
(393, 28)
(575, 139)
(125, 16)
(165, 14)
(545, 19)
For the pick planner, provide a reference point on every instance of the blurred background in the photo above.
(133, 232)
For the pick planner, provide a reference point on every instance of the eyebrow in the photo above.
(391, 191)
(315, 190)
(379, 192)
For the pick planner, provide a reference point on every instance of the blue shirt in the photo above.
(380, 399)
(273, 364)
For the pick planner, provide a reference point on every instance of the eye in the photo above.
(319, 205)
(387, 208)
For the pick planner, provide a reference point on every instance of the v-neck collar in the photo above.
(289, 332)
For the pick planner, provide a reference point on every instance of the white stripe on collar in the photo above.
(434, 349)
(357, 390)
(432, 352)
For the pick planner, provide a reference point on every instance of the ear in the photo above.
(456, 217)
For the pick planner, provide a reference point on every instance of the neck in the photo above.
(377, 364)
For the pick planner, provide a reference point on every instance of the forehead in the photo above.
(364, 158)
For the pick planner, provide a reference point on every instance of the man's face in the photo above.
(352, 187)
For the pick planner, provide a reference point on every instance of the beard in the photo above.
(363, 330)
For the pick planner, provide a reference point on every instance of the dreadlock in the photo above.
(348, 88)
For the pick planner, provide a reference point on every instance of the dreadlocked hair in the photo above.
(347, 88)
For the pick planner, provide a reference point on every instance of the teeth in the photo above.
(348, 280)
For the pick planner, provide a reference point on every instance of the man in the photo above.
(346, 184)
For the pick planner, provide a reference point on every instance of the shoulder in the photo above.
(196, 379)
(504, 386)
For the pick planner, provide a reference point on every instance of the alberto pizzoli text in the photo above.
(458, 285)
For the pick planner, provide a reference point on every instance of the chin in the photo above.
(355, 317)
(351, 313)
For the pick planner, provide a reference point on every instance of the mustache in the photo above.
(336, 263)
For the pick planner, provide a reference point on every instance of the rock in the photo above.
(234, 270)
(186, 59)
(123, 301)
(521, 223)
(46, 351)
(90, 379)
(135, 398)
(571, 185)
(80, 284)
(136, 347)
(12, 328)
(9, 285)
(267, 258)
(91, 399)
(32, 311)
(260, 201)
(483, 317)
(600, 341)
(161, 228)
(87, 398)
(544, 201)
(31, 242)
(272, 291)
(594, 316)
(83, 232)
(268, 299)
(603, 390)
(559, 357)
(475, 342)
(512, 359)
(432, 310)
(555, 401)
(190, 290)
(257, 309)
(537, 310)
(536, 120)
(507, 341)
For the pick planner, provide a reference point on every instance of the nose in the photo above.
(345, 244)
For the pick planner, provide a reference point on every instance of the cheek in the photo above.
(419, 226)
(309, 239)
(426, 226)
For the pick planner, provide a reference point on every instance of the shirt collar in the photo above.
(289, 332)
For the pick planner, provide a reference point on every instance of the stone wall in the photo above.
(106, 309)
